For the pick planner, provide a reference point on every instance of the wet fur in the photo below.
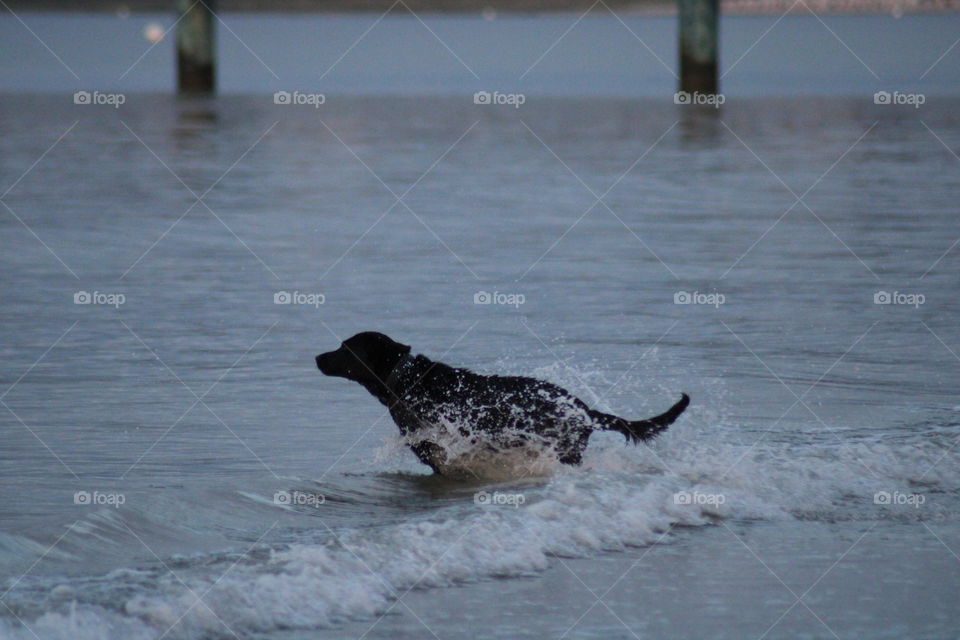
(426, 397)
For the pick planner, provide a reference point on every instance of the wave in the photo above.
(321, 575)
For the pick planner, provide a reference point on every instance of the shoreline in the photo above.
(490, 9)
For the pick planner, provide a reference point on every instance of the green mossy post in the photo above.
(196, 64)
(698, 21)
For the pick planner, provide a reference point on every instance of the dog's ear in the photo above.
(404, 348)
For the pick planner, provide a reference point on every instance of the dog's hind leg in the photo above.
(430, 454)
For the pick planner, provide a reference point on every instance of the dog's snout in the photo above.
(328, 363)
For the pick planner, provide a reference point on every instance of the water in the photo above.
(196, 402)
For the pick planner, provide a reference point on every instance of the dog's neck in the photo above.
(384, 390)
(402, 364)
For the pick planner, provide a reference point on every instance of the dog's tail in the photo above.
(641, 430)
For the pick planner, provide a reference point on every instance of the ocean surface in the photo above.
(174, 466)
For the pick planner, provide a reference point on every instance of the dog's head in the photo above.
(367, 358)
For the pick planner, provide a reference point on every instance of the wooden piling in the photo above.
(698, 21)
(196, 61)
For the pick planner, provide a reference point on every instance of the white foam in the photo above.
(622, 496)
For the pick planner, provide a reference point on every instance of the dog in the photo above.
(436, 405)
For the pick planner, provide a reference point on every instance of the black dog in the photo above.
(427, 399)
